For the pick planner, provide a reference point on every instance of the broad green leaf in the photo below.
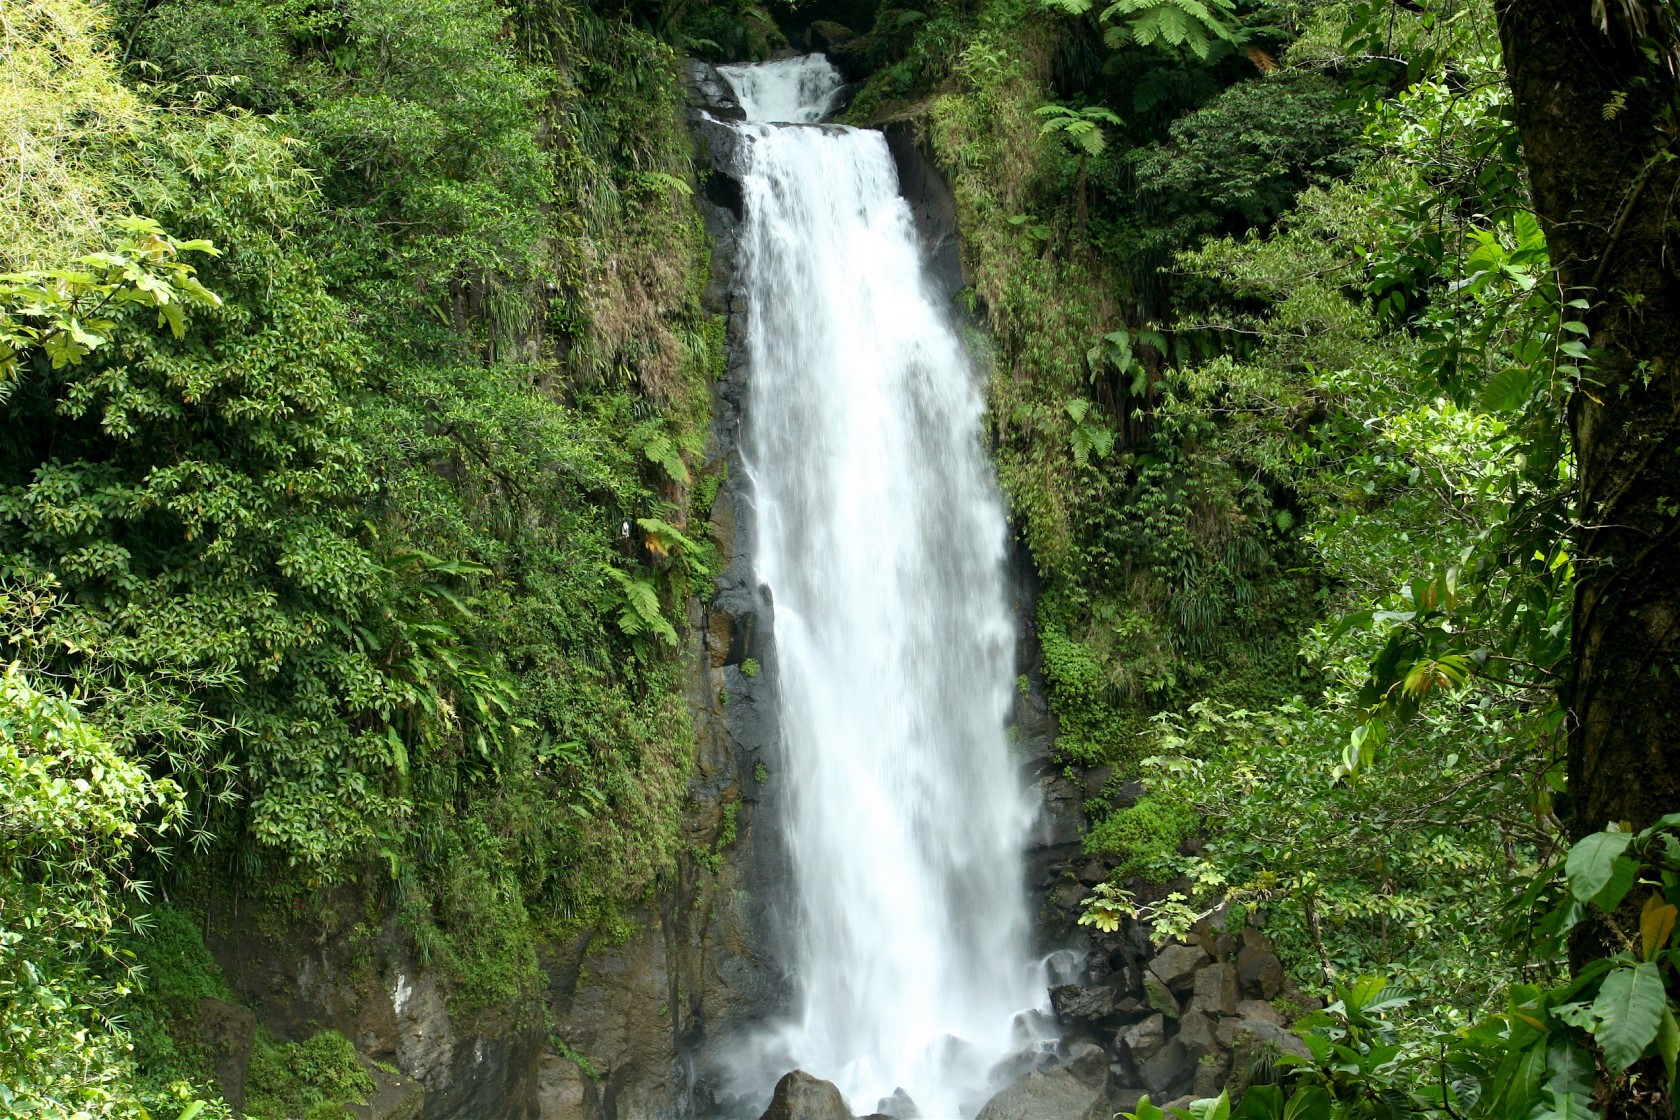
(1260, 1102)
(1592, 861)
(1567, 1092)
(1146, 1110)
(1623, 872)
(1307, 1103)
(1629, 1008)
(1509, 389)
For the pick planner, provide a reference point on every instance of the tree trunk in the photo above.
(1597, 120)
(1605, 188)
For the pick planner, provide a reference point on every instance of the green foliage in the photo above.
(1171, 25)
(1082, 128)
(66, 313)
(63, 114)
(73, 811)
(317, 1079)
(337, 559)
(1238, 162)
(1543, 1051)
(1144, 836)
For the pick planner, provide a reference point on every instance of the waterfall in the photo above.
(882, 540)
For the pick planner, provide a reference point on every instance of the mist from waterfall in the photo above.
(882, 540)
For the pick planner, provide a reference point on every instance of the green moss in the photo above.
(731, 814)
(1142, 836)
(317, 1079)
(477, 929)
(175, 971)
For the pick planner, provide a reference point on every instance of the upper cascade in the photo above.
(799, 90)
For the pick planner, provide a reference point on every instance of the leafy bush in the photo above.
(317, 1079)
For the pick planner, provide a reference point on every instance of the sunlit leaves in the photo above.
(68, 312)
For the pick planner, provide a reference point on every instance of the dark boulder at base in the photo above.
(1057, 1094)
(1075, 1004)
(899, 1106)
(799, 1096)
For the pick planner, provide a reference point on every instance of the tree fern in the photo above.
(1080, 127)
(1172, 25)
(1187, 24)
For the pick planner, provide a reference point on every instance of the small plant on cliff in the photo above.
(318, 1079)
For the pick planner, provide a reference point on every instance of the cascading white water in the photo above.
(881, 538)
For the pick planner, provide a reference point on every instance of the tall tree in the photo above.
(1596, 103)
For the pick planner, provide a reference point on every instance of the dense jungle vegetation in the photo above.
(356, 382)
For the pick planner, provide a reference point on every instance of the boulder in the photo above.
(1258, 969)
(1176, 965)
(1088, 1062)
(1245, 1037)
(1024, 1061)
(1211, 1075)
(899, 1106)
(1214, 990)
(1300, 1000)
(799, 1096)
(1127, 795)
(1112, 1103)
(1259, 1009)
(1131, 1009)
(707, 90)
(1055, 1094)
(827, 36)
(1170, 1067)
(1096, 778)
(1157, 995)
(1140, 1040)
(1260, 973)
(396, 1097)
(1076, 1004)
(1195, 1034)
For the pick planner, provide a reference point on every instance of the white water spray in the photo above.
(881, 538)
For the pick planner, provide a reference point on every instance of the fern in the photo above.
(639, 611)
(1177, 24)
(1080, 127)
(1068, 7)
(1088, 436)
